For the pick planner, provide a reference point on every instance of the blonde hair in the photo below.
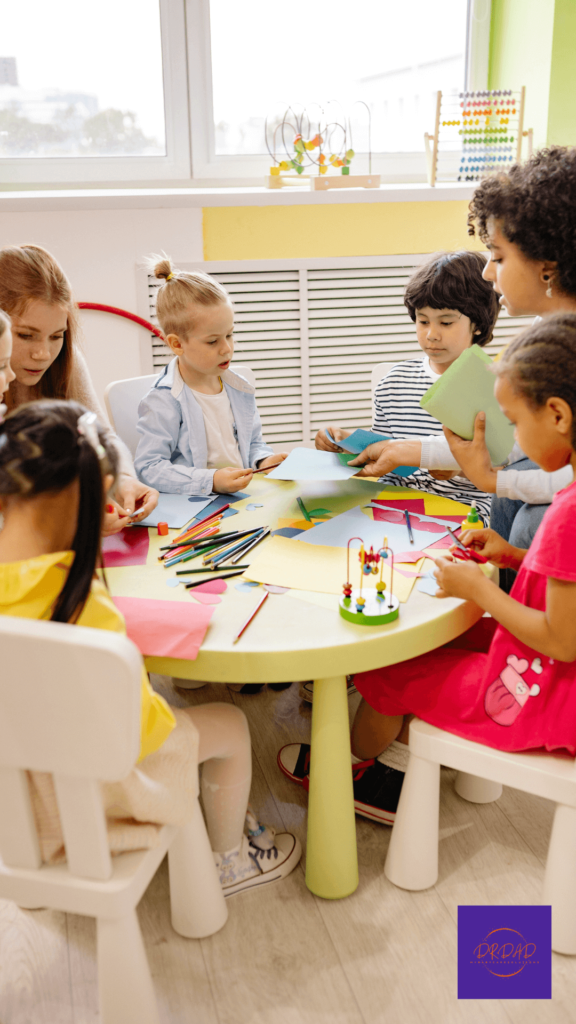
(179, 292)
(29, 272)
(5, 322)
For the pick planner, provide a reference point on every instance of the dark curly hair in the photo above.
(535, 205)
(540, 363)
(41, 450)
(453, 280)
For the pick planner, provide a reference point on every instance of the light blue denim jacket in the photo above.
(172, 450)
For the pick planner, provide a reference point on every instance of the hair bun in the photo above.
(163, 269)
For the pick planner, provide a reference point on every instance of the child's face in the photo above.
(6, 372)
(518, 279)
(209, 347)
(443, 334)
(544, 434)
(38, 339)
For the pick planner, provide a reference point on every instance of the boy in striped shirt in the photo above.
(453, 308)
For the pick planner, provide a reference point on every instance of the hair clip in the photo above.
(87, 427)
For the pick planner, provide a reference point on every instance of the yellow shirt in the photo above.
(29, 590)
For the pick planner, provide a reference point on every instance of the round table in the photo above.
(300, 635)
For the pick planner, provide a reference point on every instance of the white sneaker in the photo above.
(247, 867)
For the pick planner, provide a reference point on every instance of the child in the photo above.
(6, 372)
(199, 425)
(56, 468)
(509, 681)
(453, 308)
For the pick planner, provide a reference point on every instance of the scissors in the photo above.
(464, 553)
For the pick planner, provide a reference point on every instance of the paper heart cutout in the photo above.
(206, 598)
(536, 666)
(246, 587)
(273, 589)
(252, 506)
(211, 587)
(520, 664)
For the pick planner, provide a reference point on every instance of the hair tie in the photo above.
(87, 427)
(170, 276)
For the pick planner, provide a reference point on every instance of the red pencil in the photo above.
(255, 612)
(201, 523)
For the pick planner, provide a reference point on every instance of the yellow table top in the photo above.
(299, 634)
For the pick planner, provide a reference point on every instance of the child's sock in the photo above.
(395, 756)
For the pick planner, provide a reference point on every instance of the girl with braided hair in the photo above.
(57, 466)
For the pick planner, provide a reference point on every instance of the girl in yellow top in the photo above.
(56, 468)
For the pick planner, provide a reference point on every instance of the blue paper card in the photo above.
(176, 510)
(504, 952)
(217, 501)
(359, 439)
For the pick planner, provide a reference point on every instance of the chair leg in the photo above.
(560, 880)
(477, 790)
(124, 980)
(196, 898)
(412, 861)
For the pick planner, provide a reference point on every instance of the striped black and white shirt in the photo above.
(397, 412)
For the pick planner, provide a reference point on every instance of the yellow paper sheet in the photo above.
(289, 563)
(436, 505)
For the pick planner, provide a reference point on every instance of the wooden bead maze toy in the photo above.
(487, 127)
(366, 606)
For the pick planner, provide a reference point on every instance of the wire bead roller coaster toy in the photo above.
(310, 149)
(367, 607)
(486, 126)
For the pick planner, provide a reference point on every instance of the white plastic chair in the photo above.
(412, 861)
(70, 705)
(122, 398)
(379, 371)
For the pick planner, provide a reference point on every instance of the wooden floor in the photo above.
(285, 957)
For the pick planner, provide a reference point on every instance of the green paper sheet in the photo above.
(465, 389)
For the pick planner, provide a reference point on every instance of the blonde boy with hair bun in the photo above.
(199, 426)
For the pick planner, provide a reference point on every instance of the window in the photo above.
(160, 91)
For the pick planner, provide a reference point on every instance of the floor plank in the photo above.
(34, 968)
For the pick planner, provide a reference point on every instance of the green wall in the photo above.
(533, 43)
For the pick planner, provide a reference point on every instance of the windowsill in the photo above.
(164, 198)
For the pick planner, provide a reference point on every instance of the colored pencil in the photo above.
(409, 526)
(253, 544)
(177, 549)
(198, 529)
(268, 468)
(198, 583)
(206, 540)
(304, 510)
(249, 619)
(203, 531)
(225, 553)
(190, 555)
(205, 569)
(218, 511)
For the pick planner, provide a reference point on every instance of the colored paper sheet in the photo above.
(387, 514)
(286, 563)
(428, 585)
(338, 531)
(408, 556)
(218, 501)
(360, 439)
(465, 389)
(129, 547)
(406, 501)
(175, 509)
(436, 505)
(165, 629)
(311, 464)
(286, 531)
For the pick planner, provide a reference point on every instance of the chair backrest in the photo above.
(69, 705)
(122, 398)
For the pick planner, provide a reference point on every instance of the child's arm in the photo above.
(260, 452)
(550, 632)
(159, 428)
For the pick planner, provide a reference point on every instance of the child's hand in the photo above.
(135, 498)
(273, 460)
(473, 456)
(384, 456)
(114, 520)
(325, 444)
(494, 548)
(228, 480)
(458, 579)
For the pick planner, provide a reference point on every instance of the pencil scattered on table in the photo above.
(409, 526)
(264, 597)
(224, 576)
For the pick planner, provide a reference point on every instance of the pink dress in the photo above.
(486, 685)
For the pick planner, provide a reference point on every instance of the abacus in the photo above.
(487, 126)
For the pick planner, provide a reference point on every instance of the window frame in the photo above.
(127, 169)
(248, 170)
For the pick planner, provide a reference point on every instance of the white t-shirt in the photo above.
(222, 446)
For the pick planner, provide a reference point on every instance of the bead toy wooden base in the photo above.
(377, 611)
(344, 181)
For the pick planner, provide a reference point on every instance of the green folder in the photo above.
(465, 389)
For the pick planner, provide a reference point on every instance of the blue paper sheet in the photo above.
(338, 531)
(176, 510)
(217, 501)
(311, 464)
(359, 439)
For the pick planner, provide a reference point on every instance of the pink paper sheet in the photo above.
(165, 629)
(408, 556)
(412, 504)
(129, 547)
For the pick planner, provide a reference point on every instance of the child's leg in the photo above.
(225, 754)
(372, 731)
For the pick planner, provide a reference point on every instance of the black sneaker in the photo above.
(376, 786)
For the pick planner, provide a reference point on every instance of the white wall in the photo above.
(99, 250)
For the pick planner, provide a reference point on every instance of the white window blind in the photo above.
(312, 330)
